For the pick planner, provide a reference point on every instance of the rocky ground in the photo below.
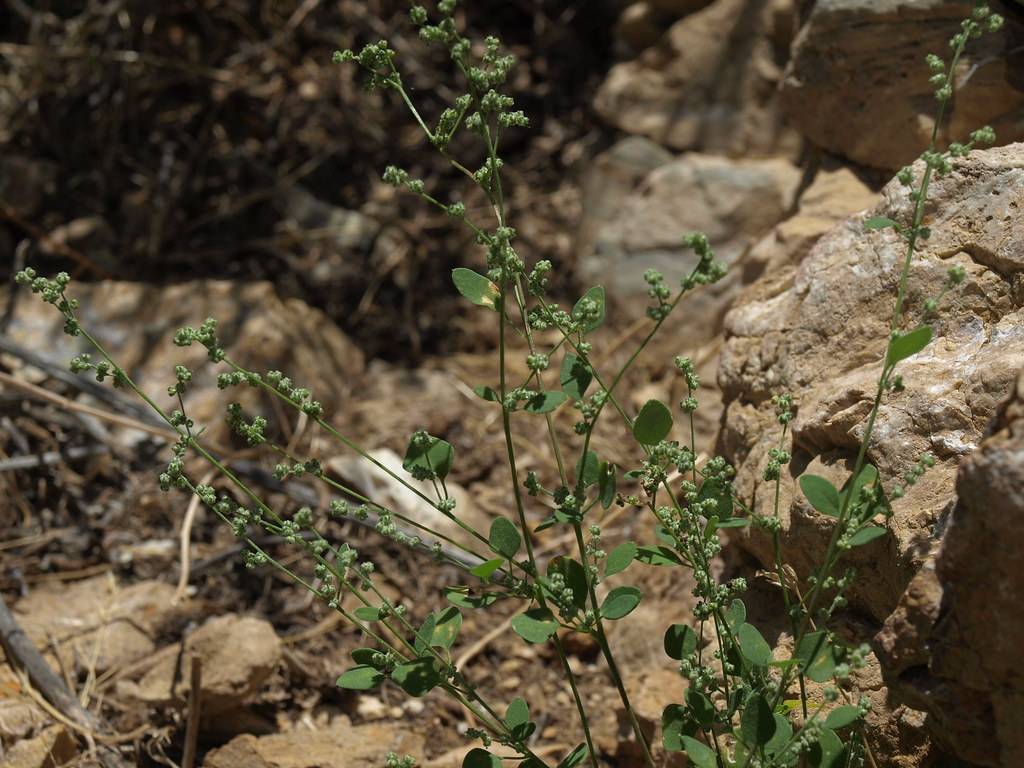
(225, 168)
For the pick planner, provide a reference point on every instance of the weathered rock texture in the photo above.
(260, 330)
(818, 329)
(238, 654)
(952, 647)
(341, 746)
(710, 84)
(734, 202)
(857, 84)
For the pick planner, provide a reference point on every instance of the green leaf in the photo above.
(606, 484)
(591, 469)
(486, 570)
(815, 653)
(574, 575)
(821, 494)
(620, 558)
(476, 288)
(365, 657)
(545, 402)
(574, 376)
(425, 634)
(840, 717)
(676, 723)
(461, 596)
(828, 752)
(757, 725)
(880, 222)
(504, 537)
(367, 613)
(435, 455)
(735, 614)
(868, 477)
(733, 522)
(535, 626)
(721, 493)
(416, 677)
(680, 641)
(620, 602)
(701, 708)
(867, 534)
(653, 423)
(480, 758)
(753, 646)
(487, 393)
(360, 678)
(700, 755)
(446, 627)
(518, 713)
(575, 757)
(783, 733)
(658, 555)
(909, 344)
(595, 294)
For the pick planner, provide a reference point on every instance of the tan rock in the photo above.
(819, 329)
(96, 623)
(951, 646)
(734, 202)
(136, 324)
(710, 83)
(342, 746)
(238, 655)
(640, 26)
(857, 84)
(51, 748)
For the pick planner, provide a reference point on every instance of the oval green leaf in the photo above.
(535, 626)
(477, 288)
(620, 602)
(867, 534)
(595, 294)
(909, 344)
(821, 494)
(360, 678)
(504, 537)
(545, 402)
(574, 376)
(416, 677)
(620, 558)
(841, 717)
(753, 646)
(680, 641)
(757, 725)
(653, 423)
(701, 755)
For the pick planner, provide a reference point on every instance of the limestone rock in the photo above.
(734, 202)
(341, 746)
(857, 84)
(136, 324)
(951, 646)
(95, 621)
(238, 654)
(52, 748)
(818, 329)
(835, 193)
(710, 84)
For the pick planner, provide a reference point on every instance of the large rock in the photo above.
(857, 84)
(951, 648)
(341, 746)
(734, 202)
(710, 84)
(237, 653)
(136, 323)
(818, 329)
(96, 624)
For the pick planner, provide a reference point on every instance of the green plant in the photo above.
(739, 708)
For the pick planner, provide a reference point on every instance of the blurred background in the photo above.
(191, 158)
